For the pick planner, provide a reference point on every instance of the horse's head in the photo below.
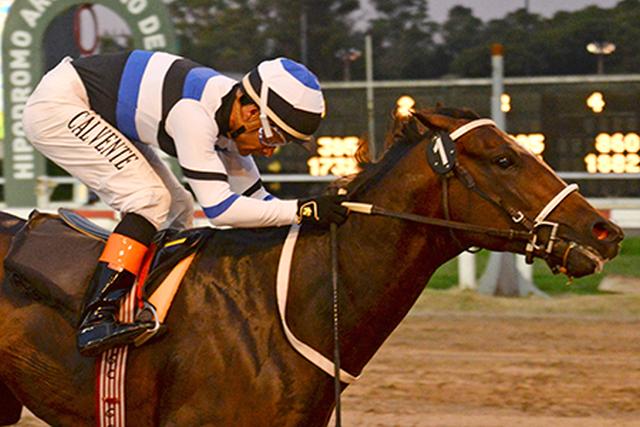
(493, 182)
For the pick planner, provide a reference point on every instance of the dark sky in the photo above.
(489, 9)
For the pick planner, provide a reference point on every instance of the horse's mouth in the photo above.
(575, 260)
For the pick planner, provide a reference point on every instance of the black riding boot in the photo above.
(118, 266)
(100, 329)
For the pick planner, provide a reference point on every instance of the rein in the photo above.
(365, 208)
(441, 154)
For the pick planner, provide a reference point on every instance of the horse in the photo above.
(449, 181)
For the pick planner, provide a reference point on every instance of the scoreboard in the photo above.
(616, 153)
(594, 131)
(582, 126)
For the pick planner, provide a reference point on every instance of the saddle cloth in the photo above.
(53, 257)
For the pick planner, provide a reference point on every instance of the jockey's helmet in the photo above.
(288, 95)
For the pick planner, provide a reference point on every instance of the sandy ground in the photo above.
(460, 360)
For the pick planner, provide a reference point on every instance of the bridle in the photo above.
(539, 234)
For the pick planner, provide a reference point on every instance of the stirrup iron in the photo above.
(150, 333)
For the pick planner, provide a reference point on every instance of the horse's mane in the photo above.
(402, 135)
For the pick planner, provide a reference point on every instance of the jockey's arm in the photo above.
(244, 176)
(195, 134)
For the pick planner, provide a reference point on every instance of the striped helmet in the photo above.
(291, 98)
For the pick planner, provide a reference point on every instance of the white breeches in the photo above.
(128, 177)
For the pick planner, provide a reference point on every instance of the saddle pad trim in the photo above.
(282, 289)
(163, 296)
(111, 375)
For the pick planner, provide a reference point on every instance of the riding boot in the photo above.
(114, 277)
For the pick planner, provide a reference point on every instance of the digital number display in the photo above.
(534, 142)
(615, 153)
(335, 156)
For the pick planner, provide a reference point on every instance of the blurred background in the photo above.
(563, 78)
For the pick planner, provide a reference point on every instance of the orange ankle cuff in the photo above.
(123, 253)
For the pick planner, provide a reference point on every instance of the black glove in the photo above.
(321, 211)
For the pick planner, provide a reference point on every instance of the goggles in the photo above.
(270, 135)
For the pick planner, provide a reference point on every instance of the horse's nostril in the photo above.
(600, 231)
(605, 231)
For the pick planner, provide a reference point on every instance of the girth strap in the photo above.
(282, 284)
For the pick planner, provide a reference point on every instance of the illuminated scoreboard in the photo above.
(617, 153)
(335, 156)
(534, 142)
(581, 126)
(595, 133)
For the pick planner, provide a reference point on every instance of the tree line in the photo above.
(328, 35)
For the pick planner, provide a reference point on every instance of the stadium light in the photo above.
(601, 49)
(348, 56)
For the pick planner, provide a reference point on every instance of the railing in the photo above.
(46, 185)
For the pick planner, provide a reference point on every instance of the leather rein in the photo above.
(441, 153)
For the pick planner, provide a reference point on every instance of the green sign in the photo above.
(23, 63)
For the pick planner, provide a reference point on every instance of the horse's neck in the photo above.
(385, 265)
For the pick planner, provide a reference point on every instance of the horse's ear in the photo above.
(436, 121)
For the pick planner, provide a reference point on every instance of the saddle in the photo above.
(52, 259)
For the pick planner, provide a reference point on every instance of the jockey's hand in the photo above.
(321, 211)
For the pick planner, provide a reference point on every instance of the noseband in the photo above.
(441, 153)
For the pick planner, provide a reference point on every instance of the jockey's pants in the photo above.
(129, 177)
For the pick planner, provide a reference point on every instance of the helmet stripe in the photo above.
(301, 73)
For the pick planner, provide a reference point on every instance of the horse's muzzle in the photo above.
(577, 258)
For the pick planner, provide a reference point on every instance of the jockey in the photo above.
(101, 118)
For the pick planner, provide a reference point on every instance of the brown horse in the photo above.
(225, 360)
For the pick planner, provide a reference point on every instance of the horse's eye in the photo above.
(503, 161)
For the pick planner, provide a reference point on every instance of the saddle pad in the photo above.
(53, 261)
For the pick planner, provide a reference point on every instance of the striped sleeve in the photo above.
(195, 134)
(244, 176)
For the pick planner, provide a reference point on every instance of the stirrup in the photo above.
(147, 307)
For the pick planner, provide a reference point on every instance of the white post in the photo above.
(467, 271)
(523, 268)
(497, 85)
(506, 274)
(368, 52)
(80, 194)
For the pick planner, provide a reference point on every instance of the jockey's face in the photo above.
(248, 142)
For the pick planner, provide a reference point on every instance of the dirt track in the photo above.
(527, 366)
(460, 360)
